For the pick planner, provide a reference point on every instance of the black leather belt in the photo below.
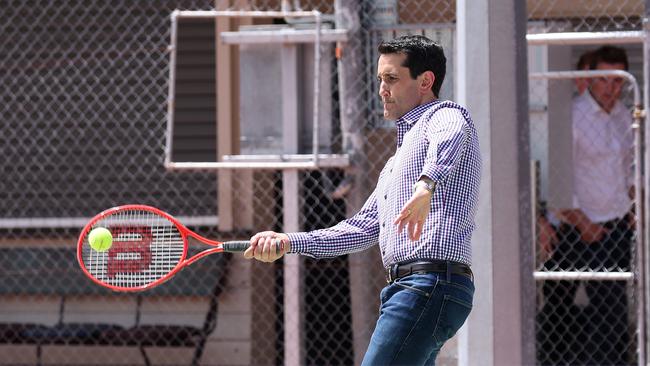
(400, 270)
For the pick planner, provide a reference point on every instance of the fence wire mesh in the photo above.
(584, 15)
(83, 113)
(584, 322)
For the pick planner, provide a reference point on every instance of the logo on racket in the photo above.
(131, 250)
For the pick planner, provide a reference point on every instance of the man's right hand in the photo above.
(268, 246)
(592, 233)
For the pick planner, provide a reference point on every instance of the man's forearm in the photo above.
(575, 217)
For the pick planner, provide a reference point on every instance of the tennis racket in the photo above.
(149, 247)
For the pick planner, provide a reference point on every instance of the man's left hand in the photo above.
(414, 213)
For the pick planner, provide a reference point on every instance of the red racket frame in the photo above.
(183, 262)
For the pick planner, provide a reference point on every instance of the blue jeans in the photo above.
(418, 314)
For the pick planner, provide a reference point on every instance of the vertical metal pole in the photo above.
(316, 115)
(493, 79)
(171, 99)
(350, 71)
(293, 304)
(645, 225)
(640, 250)
(224, 110)
(364, 267)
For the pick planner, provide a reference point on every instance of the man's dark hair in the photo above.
(584, 62)
(422, 54)
(610, 55)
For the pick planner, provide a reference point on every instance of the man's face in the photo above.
(607, 90)
(398, 91)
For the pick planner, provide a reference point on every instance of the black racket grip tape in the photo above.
(236, 246)
(241, 245)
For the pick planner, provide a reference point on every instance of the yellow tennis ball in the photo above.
(100, 239)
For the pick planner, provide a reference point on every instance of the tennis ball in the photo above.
(100, 239)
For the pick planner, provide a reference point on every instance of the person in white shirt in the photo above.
(596, 233)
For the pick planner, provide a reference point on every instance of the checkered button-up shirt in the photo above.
(437, 140)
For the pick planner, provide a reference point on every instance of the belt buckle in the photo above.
(392, 273)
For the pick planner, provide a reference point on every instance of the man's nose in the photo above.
(613, 88)
(383, 90)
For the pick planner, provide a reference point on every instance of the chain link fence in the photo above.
(588, 299)
(586, 265)
(584, 15)
(83, 123)
(82, 130)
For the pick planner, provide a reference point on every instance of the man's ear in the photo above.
(426, 81)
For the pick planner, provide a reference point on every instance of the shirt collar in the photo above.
(594, 107)
(409, 119)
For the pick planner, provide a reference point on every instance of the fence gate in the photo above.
(589, 277)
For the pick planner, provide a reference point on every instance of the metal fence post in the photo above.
(645, 268)
(350, 66)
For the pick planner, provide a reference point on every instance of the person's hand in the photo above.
(631, 220)
(414, 213)
(268, 246)
(592, 233)
(547, 237)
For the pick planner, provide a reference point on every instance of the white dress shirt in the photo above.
(602, 159)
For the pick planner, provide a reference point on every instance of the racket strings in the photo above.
(146, 248)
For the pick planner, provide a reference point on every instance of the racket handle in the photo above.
(242, 245)
(236, 246)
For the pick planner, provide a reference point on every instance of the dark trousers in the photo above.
(597, 334)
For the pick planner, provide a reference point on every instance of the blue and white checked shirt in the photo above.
(437, 140)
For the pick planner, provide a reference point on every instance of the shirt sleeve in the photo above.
(447, 135)
(578, 147)
(355, 234)
(628, 142)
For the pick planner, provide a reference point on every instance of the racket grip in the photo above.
(241, 245)
(236, 246)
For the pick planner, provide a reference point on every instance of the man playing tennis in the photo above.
(421, 212)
